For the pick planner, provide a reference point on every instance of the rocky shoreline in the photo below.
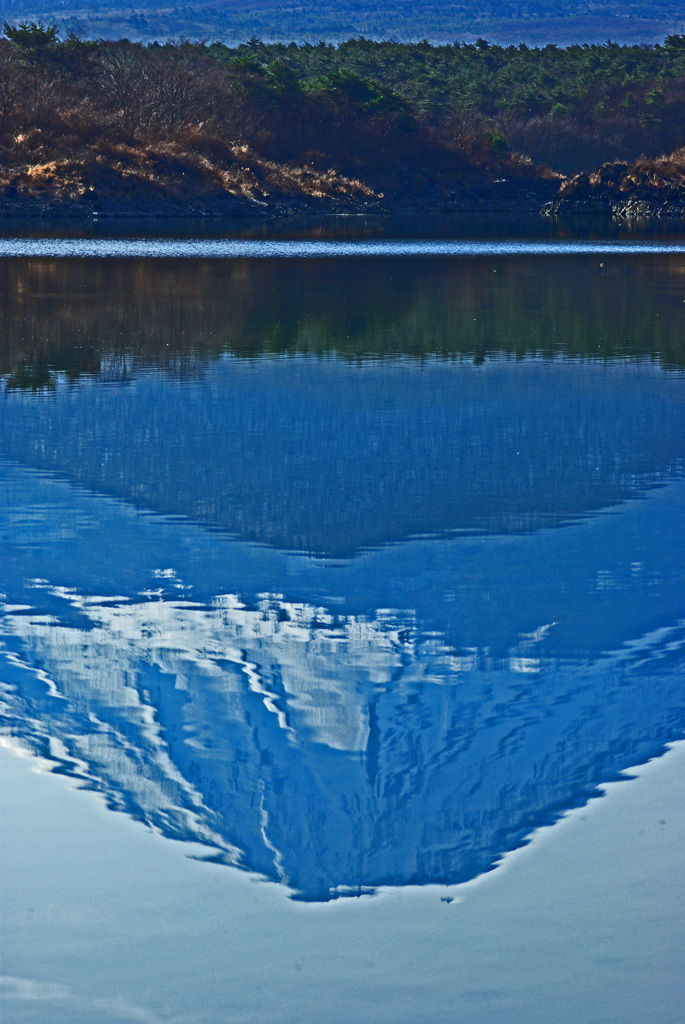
(610, 194)
(646, 189)
(630, 208)
(485, 196)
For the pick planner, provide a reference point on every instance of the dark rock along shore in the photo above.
(501, 195)
(578, 196)
(647, 188)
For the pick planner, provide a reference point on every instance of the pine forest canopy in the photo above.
(233, 21)
(352, 106)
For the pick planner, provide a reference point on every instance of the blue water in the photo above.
(342, 624)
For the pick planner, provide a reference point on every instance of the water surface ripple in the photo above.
(228, 248)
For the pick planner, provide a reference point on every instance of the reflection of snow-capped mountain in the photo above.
(325, 750)
(403, 715)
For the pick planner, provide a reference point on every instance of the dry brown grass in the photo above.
(666, 171)
(660, 177)
(174, 169)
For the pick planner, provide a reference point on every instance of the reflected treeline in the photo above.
(112, 317)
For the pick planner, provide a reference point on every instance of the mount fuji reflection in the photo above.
(347, 626)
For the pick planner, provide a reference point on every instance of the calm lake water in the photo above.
(346, 566)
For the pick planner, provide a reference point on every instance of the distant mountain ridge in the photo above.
(233, 21)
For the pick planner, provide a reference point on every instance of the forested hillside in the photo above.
(234, 21)
(361, 119)
(570, 109)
